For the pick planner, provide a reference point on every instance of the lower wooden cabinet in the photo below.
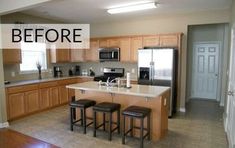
(32, 101)
(54, 96)
(63, 94)
(44, 98)
(16, 105)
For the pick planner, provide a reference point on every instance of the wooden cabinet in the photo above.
(151, 41)
(114, 42)
(169, 41)
(54, 96)
(11, 56)
(77, 55)
(63, 94)
(125, 49)
(16, 105)
(32, 101)
(44, 98)
(92, 54)
(103, 43)
(59, 55)
(136, 43)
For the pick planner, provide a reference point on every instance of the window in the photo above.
(33, 53)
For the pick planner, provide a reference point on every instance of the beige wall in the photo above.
(163, 24)
(3, 117)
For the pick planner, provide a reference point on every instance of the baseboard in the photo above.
(182, 109)
(3, 125)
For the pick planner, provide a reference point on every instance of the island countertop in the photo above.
(136, 90)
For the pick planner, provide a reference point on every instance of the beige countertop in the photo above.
(136, 90)
(25, 82)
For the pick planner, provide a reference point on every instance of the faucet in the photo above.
(108, 81)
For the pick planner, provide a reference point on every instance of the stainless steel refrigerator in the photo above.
(158, 66)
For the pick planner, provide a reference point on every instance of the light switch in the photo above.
(13, 74)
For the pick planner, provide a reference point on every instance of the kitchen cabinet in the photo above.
(54, 96)
(16, 105)
(125, 49)
(151, 41)
(136, 43)
(92, 54)
(11, 56)
(77, 55)
(169, 41)
(32, 101)
(59, 55)
(113, 42)
(63, 94)
(44, 98)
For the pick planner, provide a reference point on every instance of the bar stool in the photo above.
(138, 113)
(110, 108)
(82, 104)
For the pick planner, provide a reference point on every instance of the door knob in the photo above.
(230, 93)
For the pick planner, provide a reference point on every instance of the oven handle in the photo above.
(112, 54)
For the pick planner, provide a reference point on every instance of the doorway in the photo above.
(207, 55)
(205, 75)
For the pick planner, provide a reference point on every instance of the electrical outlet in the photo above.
(13, 74)
(133, 70)
(101, 69)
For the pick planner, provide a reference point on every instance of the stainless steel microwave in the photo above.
(109, 54)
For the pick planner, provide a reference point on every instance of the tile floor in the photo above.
(200, 127)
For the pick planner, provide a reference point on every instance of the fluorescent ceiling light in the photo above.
(130, 8)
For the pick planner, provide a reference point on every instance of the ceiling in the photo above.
(94, 11)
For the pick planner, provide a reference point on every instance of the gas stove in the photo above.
(110, 73)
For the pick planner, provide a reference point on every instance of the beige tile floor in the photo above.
(200, 127)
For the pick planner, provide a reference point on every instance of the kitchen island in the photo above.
(154, 97)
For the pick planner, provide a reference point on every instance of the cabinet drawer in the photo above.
(48, 84)
(22, 88)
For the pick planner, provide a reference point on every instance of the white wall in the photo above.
(3, 117)
(163, 24)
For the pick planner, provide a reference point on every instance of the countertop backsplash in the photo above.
(12, 72)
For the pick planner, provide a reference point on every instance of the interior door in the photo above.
(205, 71)
(230, 105)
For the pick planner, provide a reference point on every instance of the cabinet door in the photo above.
(151, 41)
(103, 43)
(136, 43)
(16, 104)
(54, 96)
(32, 101)
(63, 94)
(77, 55)
(63, 55)
(113, 42)
(44, 98)
(71, 92)
(125, 49)
(92, 54)
(169, 41)
(11, 56)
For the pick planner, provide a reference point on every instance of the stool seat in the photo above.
(106, 107)
(136, 111)
(82, 103)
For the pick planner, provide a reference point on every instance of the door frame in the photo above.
(220, 56)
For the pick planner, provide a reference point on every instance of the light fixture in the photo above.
(134, 7)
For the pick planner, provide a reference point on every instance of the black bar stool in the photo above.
(107, 107)
(138, 113)
(82, 104)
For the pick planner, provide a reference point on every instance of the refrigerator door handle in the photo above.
(152, 71)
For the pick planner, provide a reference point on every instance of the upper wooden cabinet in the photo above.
(125, 49)
(77, 55)
(11, 56)
(92, 54)
(59, 55)
(114, 42)
(151, 41)
(169, 41)
(136, 43)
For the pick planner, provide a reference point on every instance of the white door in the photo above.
(230, 105)
(205, 70)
